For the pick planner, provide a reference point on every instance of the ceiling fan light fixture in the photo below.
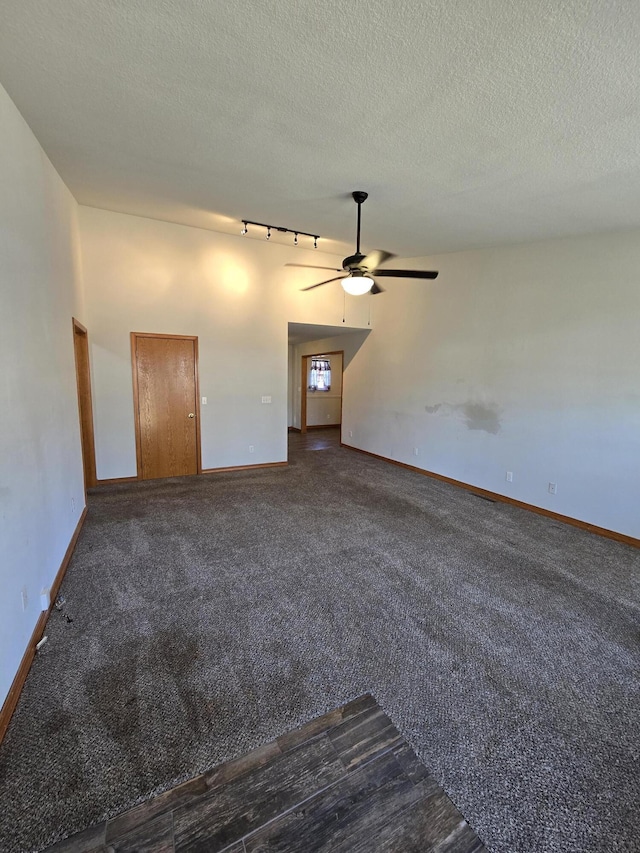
(357, 285)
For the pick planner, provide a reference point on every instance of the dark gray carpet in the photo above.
(211, 614)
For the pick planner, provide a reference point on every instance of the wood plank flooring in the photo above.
(346, 782)
(315, 439)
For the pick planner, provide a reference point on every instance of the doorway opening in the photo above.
(85, 407)
(166, 410)
(321, 390)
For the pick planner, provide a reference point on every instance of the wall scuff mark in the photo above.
(482, 416)
(476, 416)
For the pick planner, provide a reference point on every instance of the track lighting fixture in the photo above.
(270, 228)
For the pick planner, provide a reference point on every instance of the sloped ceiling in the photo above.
(470, 124)
(300, 333)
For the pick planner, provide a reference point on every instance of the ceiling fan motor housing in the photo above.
(353, 262)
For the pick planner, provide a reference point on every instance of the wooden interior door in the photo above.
(165, 380)
(85, 408)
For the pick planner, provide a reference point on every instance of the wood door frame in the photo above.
(136, 398)
(303, 386)
(87, 438)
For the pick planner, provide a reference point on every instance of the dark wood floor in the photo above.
(344, 783)
(314, 439)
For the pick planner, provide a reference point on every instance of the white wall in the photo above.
(524, 359)
(41, 481)
(324, 408)
(234, 293)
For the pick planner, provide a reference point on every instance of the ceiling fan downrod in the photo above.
(359, 196)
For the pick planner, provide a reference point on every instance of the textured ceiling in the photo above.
(470, 124)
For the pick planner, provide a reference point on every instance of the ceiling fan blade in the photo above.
(408, 273)
(376, 289)
(373, 260)
(312, 267)
(320, 283)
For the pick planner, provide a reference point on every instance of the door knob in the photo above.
(191, 415)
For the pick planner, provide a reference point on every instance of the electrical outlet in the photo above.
(73, 505)
(350, 433)
(415, 451)
(328, 417)
(24, 597)
(251, 448)
(509, 477)
(553, 488)
(266, 399)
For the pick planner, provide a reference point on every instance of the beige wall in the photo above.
(234, 293)
(522, 359)
(41, 483)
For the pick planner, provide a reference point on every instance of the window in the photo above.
(320, 374)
